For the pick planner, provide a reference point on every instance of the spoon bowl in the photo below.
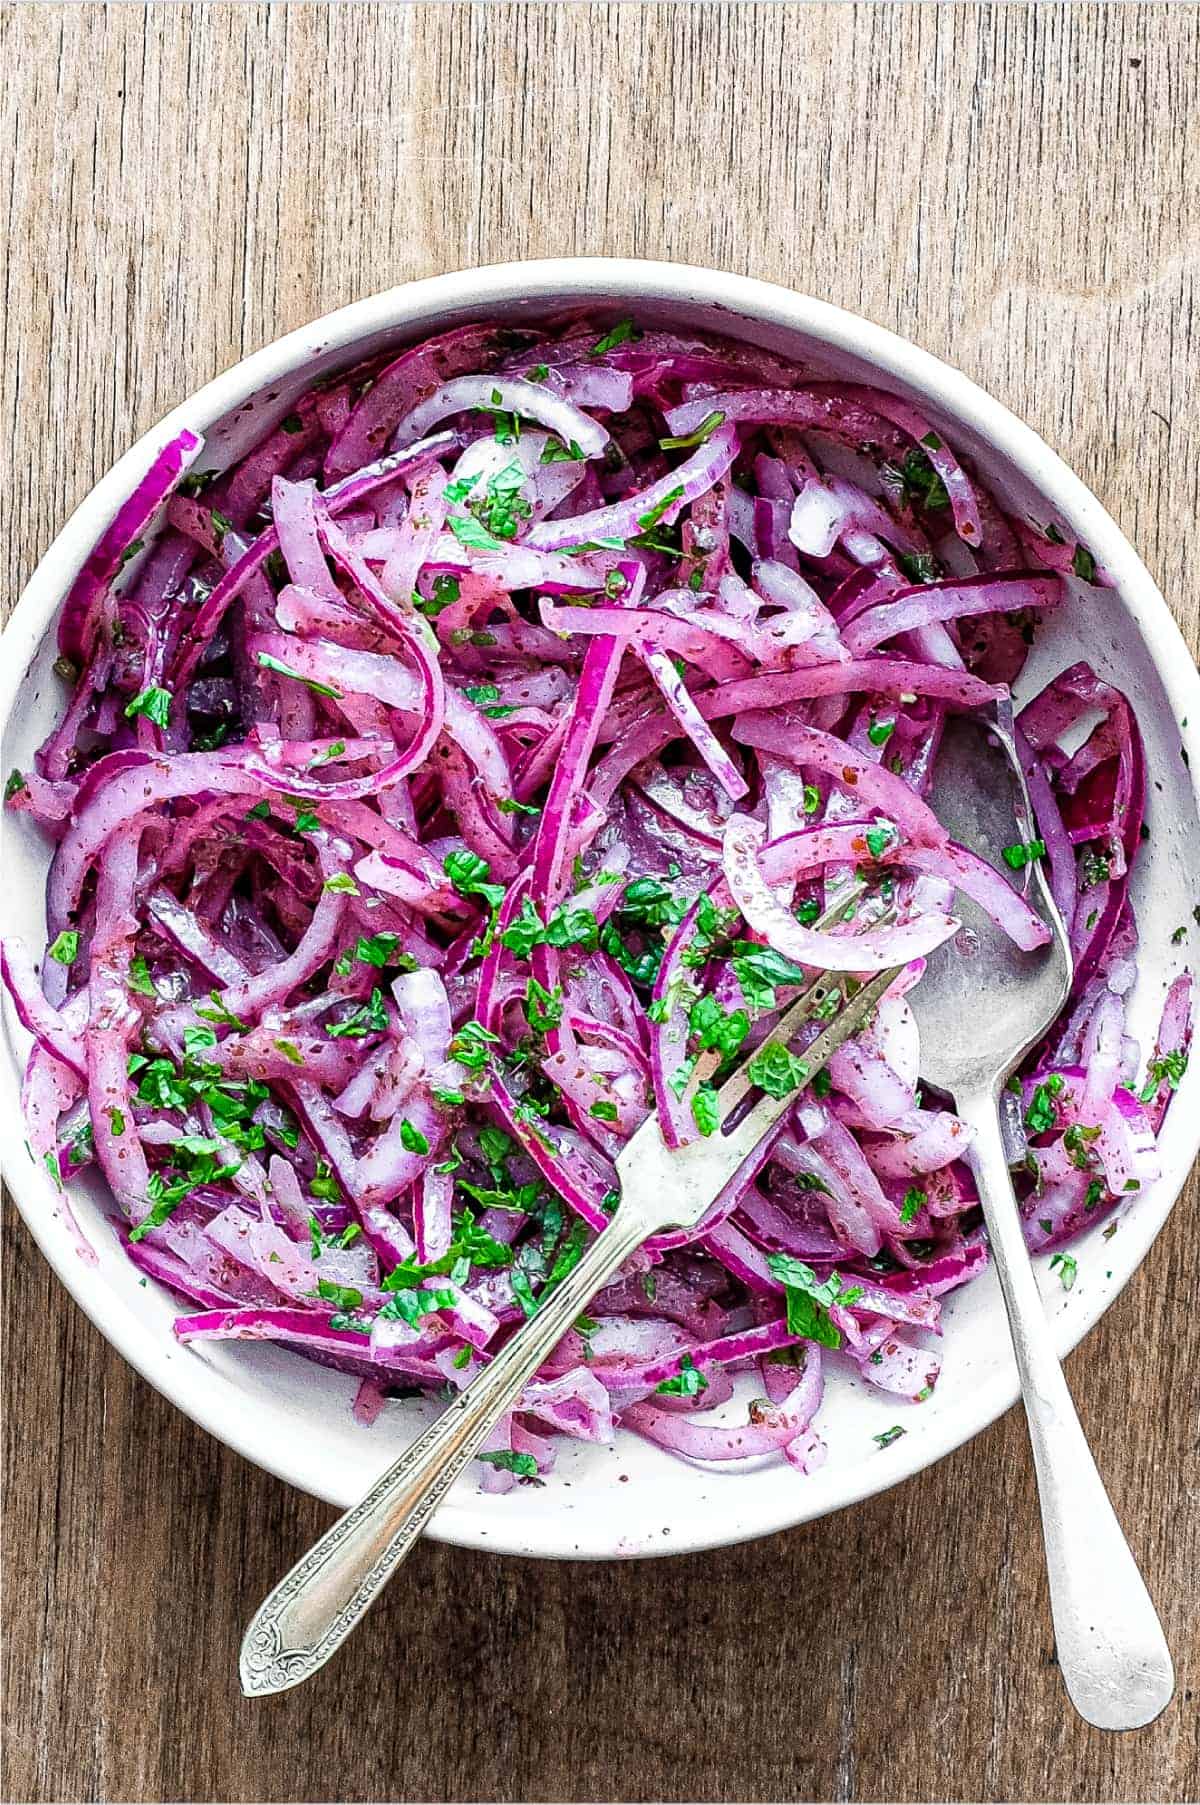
(982, 1002)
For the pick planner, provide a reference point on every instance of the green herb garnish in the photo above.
(700, 436)
(1023, 853)
(775, 1070)
(154, 703)
(809, 1301)
(285, 670)
(688, 1382)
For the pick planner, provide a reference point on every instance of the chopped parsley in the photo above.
(1168, 1069)
(809, 1301)
(193, 1158)
(620, 334)
(469, 531)
(319, 1241)
(1042, 1113)
(65, 948)
(378, 950)
(446, 591)
(713, 929)
(324, 1185)
(523, 1465)
(411, 1138)
(568, 926)
(341, 884)
(346, 1297)
(914, 1201)
(1095, 867)
(543, 1008)
(15, 784)
(920, 483)
(555, 452)
(468, 872)
(918, 567)
(219, 1014)
(715, 1028)
(470, 1046)
(369, 1018)
(688, 1382)
(888, 1436)
(285, 670)
(706, 1111)
(410, 1306)
(700, 436)
(154, 703)
(880, 838)
(654, 514)
(196, 482)
(775, 1070)
(503, 507)
(1067, 1268)
(486, 697)
(469, 1243)
(1023, 853)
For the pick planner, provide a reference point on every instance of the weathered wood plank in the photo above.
(1014, 187)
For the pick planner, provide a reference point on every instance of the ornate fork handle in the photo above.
(314, 1607)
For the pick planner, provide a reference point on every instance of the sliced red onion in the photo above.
(873, 950)
(506, 394)
(913, 608)
(663, 500)
(79, 622)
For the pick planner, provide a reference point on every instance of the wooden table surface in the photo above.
(1013, 187)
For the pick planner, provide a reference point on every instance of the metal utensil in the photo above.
(981, 1006)
(979, 1013)
(314, 1608)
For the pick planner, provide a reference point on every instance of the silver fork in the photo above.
(314, 1608)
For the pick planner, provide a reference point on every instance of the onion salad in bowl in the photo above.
(457, 777)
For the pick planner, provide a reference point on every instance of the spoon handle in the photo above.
(1110, 1645)
(314, 1607)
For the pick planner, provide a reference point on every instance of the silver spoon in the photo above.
(979, 1013)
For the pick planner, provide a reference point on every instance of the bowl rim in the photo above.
(577, 281)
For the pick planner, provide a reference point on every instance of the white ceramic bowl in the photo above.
(293, 1417)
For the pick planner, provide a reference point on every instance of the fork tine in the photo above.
(810, 1002)
(729, 1151)
(676, 1188)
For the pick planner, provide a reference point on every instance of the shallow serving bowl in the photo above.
(293, 1417)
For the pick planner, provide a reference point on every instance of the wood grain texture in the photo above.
(1014, 187)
